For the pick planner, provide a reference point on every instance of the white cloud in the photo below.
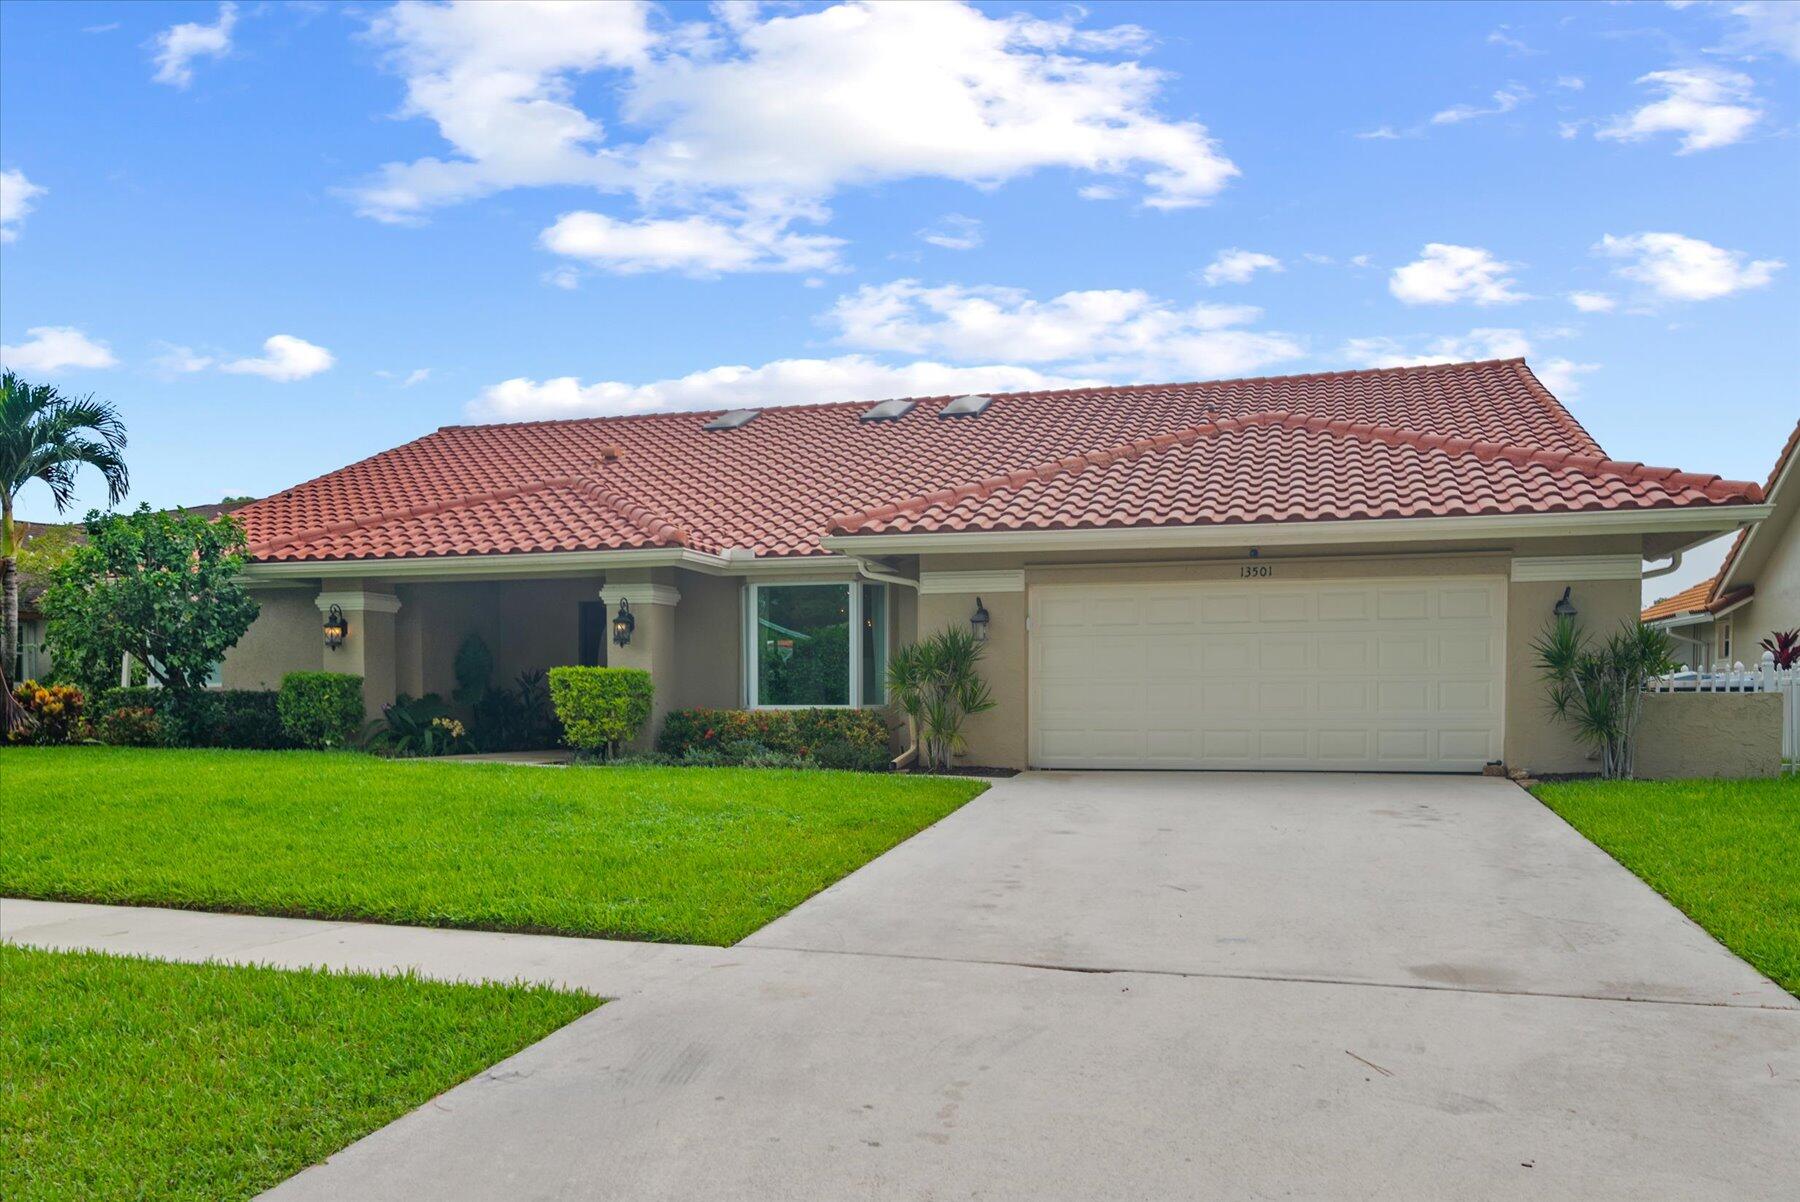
(1504, 101)
(1593, 302)
(1100, 192)
(783, 382)
(1509, 42)
(565, 277)
(1481, 343)
(1571, 83)
(52, 349)
(179, 45)
(285, 359)
(1761, 26)
(1115, 334)
(1563, 376)
(1707, 107)
(1236, 266)
(1675, 267)
(1445, 273)
(17, 195)
(1385, 133)
(954, 232)
(180, 360)
(759, 117)
(696, 245)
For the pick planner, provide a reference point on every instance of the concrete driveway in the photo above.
(1163, 986)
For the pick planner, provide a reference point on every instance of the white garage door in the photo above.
(1375, 675)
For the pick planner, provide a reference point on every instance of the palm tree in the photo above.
(47, 436)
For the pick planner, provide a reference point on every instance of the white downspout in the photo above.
(911, 754)
(1672, 565)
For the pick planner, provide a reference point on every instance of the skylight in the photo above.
(733, 419)
(965, 406)
(887, 411)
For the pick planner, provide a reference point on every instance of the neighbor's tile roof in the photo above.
(778, 483)
(1280, 467)
(1691, 600)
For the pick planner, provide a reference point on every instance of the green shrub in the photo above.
(801, 733)
(246, 719)
(601, 707)
(130, 726)
(852, 757)
(321, 709)
(416, 726)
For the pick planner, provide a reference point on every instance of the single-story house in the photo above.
(1342, 570)
(1756, 591)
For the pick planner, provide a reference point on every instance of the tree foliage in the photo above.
(160, 587)
(48, 437)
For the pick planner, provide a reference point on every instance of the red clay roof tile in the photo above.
(776, 484)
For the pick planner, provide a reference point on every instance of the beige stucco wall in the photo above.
(1535, 741)
(709, 626)
(285, 637)
(1776, 605)
(1688, 735)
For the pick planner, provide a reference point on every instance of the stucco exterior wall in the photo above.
(285, 637)
(1692, 735)
(1536, 742)
(1776, 605)
(709, 631)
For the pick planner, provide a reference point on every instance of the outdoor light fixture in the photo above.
(623, 623)
(978, 621)
(336, 627)
(1565, 608)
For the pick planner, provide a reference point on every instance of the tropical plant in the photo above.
(1784, 645)
(473, 666)
(517, 719)
(937, 684)
(421, 726)
(601, 708)
(54, 713)
(1599, 688)
(159, 587)
(320, 709)
(48, 437)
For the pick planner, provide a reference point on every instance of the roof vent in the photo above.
(965, 406)
(887, 411)
(733, 419)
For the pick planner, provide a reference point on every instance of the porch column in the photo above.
(652, 645)
(368, 649)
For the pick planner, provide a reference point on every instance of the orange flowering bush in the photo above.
(56, 711)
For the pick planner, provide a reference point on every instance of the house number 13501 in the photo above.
(1256, 569)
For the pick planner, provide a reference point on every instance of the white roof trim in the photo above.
(1579, 567)
(639, 593)
(1272, 534)
(357, 601)
(1728, 575)
(972, 582)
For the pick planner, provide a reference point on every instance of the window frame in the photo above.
(853, 633)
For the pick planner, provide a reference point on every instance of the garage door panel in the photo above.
(1369, 675)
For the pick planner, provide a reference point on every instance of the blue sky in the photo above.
(284, 236)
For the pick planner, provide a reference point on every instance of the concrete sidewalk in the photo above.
(608, 968)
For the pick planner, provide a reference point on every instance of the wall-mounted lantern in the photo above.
(623, 623)
(978, 621)
(337, 627)
(1565, 608)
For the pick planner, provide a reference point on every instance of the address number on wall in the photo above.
(1249, 570)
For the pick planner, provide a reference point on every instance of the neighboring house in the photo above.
(1757, 590)
(1334, 571)
(34, 653)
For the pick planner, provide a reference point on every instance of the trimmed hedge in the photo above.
(847, 738)
(601, 707)
(248, 719)
(321, 709)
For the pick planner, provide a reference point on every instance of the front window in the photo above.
(818, 644)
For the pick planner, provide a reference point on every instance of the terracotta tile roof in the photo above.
(1280, 467)
(1691, 600)
(776, 484)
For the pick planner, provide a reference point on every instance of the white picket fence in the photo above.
(1765, 677)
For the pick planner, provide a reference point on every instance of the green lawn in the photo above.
(694, 855)
(1726, 852)
(126, 1078)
